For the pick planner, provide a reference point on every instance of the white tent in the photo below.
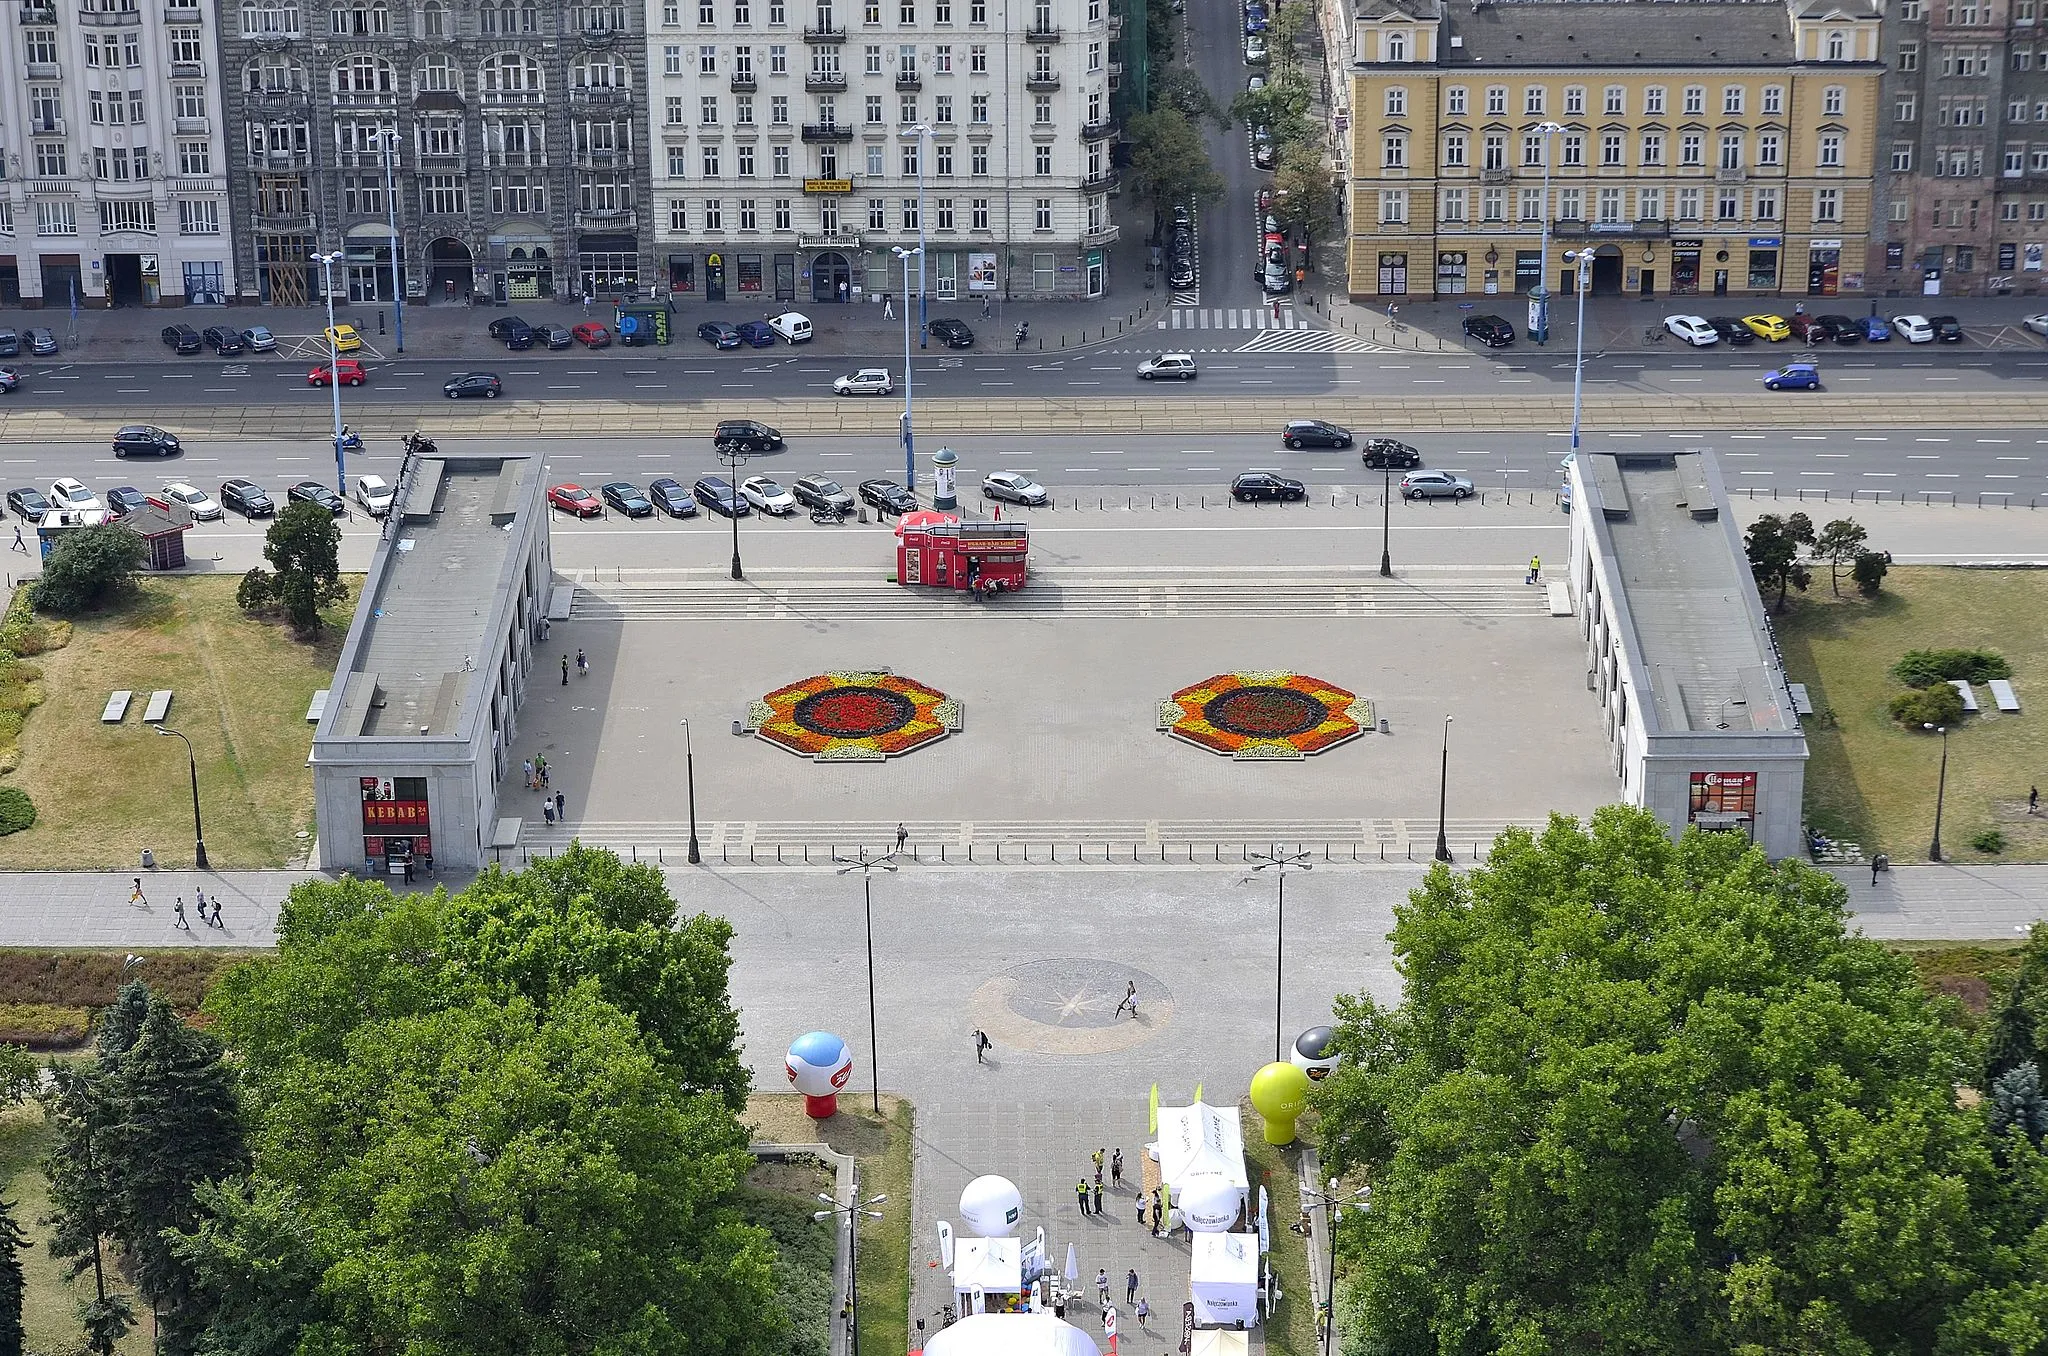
(1010, 1335)
(990, 1265)
(1219, 1342)
(1201, 1141)
(1223, 1278)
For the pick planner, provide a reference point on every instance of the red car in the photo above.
(593, 334)
(348, 369)
(572, 498)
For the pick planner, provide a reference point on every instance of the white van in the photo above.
(793, 326)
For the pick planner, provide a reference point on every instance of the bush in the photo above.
(1870, 569)
(257, 590)
(44, 1026)
(1991, 840)
(17, 811)
(1938, 704)
(90, 979)
(1922, 668)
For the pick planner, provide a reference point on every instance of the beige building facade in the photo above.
(1696, 149)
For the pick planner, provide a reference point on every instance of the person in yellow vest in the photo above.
(1535, 569)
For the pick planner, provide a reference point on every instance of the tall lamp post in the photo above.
(854, 1208)
(1386, 522)
(387, 138)
(732, 457)
(327, 263)
(198, 829)
(1333, 1210)
(867, 866)
(1280, 863)
(909, 440)
(1582, 283)
(1443, 794)
(690, 780)
(1539, 295)
(1940, 792)
(923, 132)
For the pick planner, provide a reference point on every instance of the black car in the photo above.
(146, 440)
(671, 498)
(1947, 328)
(226, 342)
(887, 496)
(1839, 328)
(1180, 272)
(1731, 330)
(717, 494)
(1489, 330)
(313, 492)
(10, 344)
(181, 338)
(719, 334)
(123, 500)
(820, 492)
(1384, 454)
(746, 435)
(1314, 433)
(484, 384)
(553, 336)
(625, 496)
(515, 332)
(28, 503)
(951, 333)
(1265, 485)
(247, 498)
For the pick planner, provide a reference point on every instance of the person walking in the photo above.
(1129, 1000)
(1878, 863)
(1102, 1287)
(1116, 1168)
(1158, 1212)
(582, 663)
(526, 767)
(216, 914)
(1098, 1158)
(1081, 1194)
(565, 670)
(2033, 792)
(902, 836)
(180, 909)
(1131, 1286)
(540, 769)
(408, 868)
(888, 308)
(981, 1045)
(1144, 1312)
(1142, 1200)
(547, 812)
(1535, 569)
(999, 515)
(19, 544)
(561, 807)
(199, 905)
(985, 313)
(136, 896)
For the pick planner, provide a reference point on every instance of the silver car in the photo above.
(1434, 485)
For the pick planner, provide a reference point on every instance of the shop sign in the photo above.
(828, 185)
(386, 814)
(1765, 242)
(2032, 256)
(1688, 244)
(1819, 244)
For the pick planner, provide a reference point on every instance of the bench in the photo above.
(1801, 703)
(2002, 693)
(318, 707)
(117, 707)
(158, 708)
(1969, 698)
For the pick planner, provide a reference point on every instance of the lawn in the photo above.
(105, 792)
(1873, 783)
(1292, 1328)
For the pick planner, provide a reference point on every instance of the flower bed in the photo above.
(852, 716)
(1265, 714)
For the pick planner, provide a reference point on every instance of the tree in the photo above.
(1169, 164)
(13, 1283)
(1654, 1096)
(1772, 545)
(1870, 569)
(2010, 1037)
(89, 567)
(1280, 106)
(1305, 193)
(1839, 543)
(1181, 88)
(20, 1074)
(2017, 1106)
(304, 546)
(1160, 25)
(82, 1199)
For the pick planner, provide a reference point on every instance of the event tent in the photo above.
(1010, 1335)
(1223, 1278)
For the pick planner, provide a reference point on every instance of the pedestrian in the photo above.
(1879, 863)
(2033, 799)
(565, 670)
(1102, 1287)
(181, 914)
(561, 807)
(527, 768)
(1535, 569)
(408, 868)
(1131, 1286)
(981, 1045)
(540, 768)
(842, 289)
(1158, 1212)
(1142, 1199)
(1098, 1158)
(1129, 1000)
(136, 896)
(1081, 1194)
(999, 515)
(984, 315)
(889, 308)
(1116, 1168)
(582, 663)
(902, 836)
(1276, 308)
(547, 812)
(199, 904)
(1144, 1312)
(216, 914)
(19, 544)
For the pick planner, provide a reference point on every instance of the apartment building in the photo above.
(797, 143)
(1962, 168)
(1702, 148)
(508, 131)
(112, 164)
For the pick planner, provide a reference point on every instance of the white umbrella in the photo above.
(1073, 1272)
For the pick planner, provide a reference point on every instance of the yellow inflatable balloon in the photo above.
(1279, 1095)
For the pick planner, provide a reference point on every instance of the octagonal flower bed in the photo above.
(853, 716)
(1265, 714)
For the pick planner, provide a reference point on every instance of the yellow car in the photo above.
(346, 340)
(1771, 327)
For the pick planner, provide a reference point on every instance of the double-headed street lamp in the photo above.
(867, 865)
(1582, 283)
(853, 1209)
(923, 132)
(732, 457)
(387, 140)
(904, 257)
(198, 829)
(1333, 1210)
(327, 263)
(1443, 795)
(1539, 296)
(1280, 863)
(1940, 792)
(690, 780)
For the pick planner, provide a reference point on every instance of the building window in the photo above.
(678, 162)
(1731, 100)
(710, 162)
(1041, 161)
(1695, 99)
(1691, 149)
(1574, 100)
(1393, 206)
(57, 218)
(1838, 47)
(1610, 149)
(1573, 151)
(1909, 56)
(1532, 206)
(1571, 204)
(1902, 157)
(942, 161)
(1451, 206)
(1610, 205)
(1767, 148)
(443, 195)
(1728, 205)
(1496, 150)
(2015, 160)
(1688, 204)
(1774, 101)
(1831, 100)
(1394, 151)
(50, 160)
(673, 110)
(1493, 204)
(1533, 101)
(1827, 205)
(194, 158)
(1042, 215)
(1653, 101)
(942, 214)
(977, 161)
(749, 221)
(977, 109)
(1767, 204)
(198, 216)
(875, 162)
(977, 58)
(1454, 101)
(1041, 110)
(1397, 46)
(1731, 150)
(1653, 149)
(1649, 204)
(1830, 150)
(779, 158)
(1497, 100)
(1454, 150)
(1906, 109)
(978, 214)
(1397, 102)
(743, 161)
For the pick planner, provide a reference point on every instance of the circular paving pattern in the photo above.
(1265, 714)
(854, 716)
(1068, 1006)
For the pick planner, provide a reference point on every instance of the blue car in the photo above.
(756, 334)
(1793, 377)
(1255, 17)
(1876, 329)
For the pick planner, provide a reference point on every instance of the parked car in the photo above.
(570, 497)
(1793, 377)
(1168, 366)
(259, 339)
(1301, 433)
(1389, 454)
(794, 326)
(484, 384)
(1013, 488)
(1180, 271)
(225, 342)
(1731, 330)
(887, 496)
(2037, 323)
(1254, 17)
(10, 344)
(1947, 329)
(625, 496)
(512, 331)
(756, 334)
(719, 334)
(821, 492)
(247, 498)
(1434, 485)
(145, 440)
(1914, 329)
(350, 370)
(344, 338)
(553, 336)
(1490, 330)
(950, 332)
(28, 503)
(765, 494)
(181, 338)
(1807, 328)
(867, 381)
(592, 335)
(204, 506)
(1255, 485)
(1836, 329)
(123, 500)
(1770, 327)
(374, 493)
(9, 379)
(1262, 147)
(1255, 49)
(671, 498)
(41, 343)
(1693, 329)
(746, 435)
(1876, 329)
(313, 492)
(717, 494)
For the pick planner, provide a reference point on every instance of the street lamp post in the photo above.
(923, 132)
(732, 457)
(867, 865)
(1940, 792)
(1582, 283)
(1280, 863)
(690, 781)
(853, 1210)
(1443, 793)
(198, 829)
(1386, 522)
(1539, 296)
(1333, 1209)
(909, 439)
(387, 139)
(327, 263)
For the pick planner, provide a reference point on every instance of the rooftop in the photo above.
(1626, 33)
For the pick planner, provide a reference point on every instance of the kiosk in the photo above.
(937, 550)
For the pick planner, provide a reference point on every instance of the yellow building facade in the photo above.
(1694, 149)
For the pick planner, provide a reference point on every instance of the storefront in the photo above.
(1450, 273)
(1528, 269)
(529, 268)
(1824, 268)
(1393, 274)
(682, 274)
(397, 824)
(607, 265)
(1763, 262)
(1685, 267)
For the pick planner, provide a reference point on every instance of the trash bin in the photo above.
(148, 860)
(738, 728)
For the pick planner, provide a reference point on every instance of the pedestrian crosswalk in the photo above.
(1310, 341)
(1187, 296)
(1233, 318)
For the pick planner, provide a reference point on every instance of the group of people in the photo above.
(1090, 1197)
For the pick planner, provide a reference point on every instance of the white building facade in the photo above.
(113, 188)
(788, 137)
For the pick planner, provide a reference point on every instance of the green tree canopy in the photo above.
(1646, 1096)
(1772, 544)
(1839, 544)
(1169, 163)
(304, 546)
(88, 567)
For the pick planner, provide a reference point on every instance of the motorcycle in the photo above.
(419, 444)
(350, 440)
(830, 517)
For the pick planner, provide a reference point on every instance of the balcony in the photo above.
(1494, 176)
(841, 239)
(745, 82)
(53, 188)
(39, 14)
(824, 35)
(47, 127)
(191, 127)
(815, 132)
(909, 80)
(188, 70)
(617, 219)
(93, 18)
(1036, 34)
(596, 39)
(1104, 236)
(825, 82)
(1731, 176)
(597, 95)
(1096, 131)
(1100, 183)
(1042, 82)
(1568, 226)
(285, 223)
(278, 101)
